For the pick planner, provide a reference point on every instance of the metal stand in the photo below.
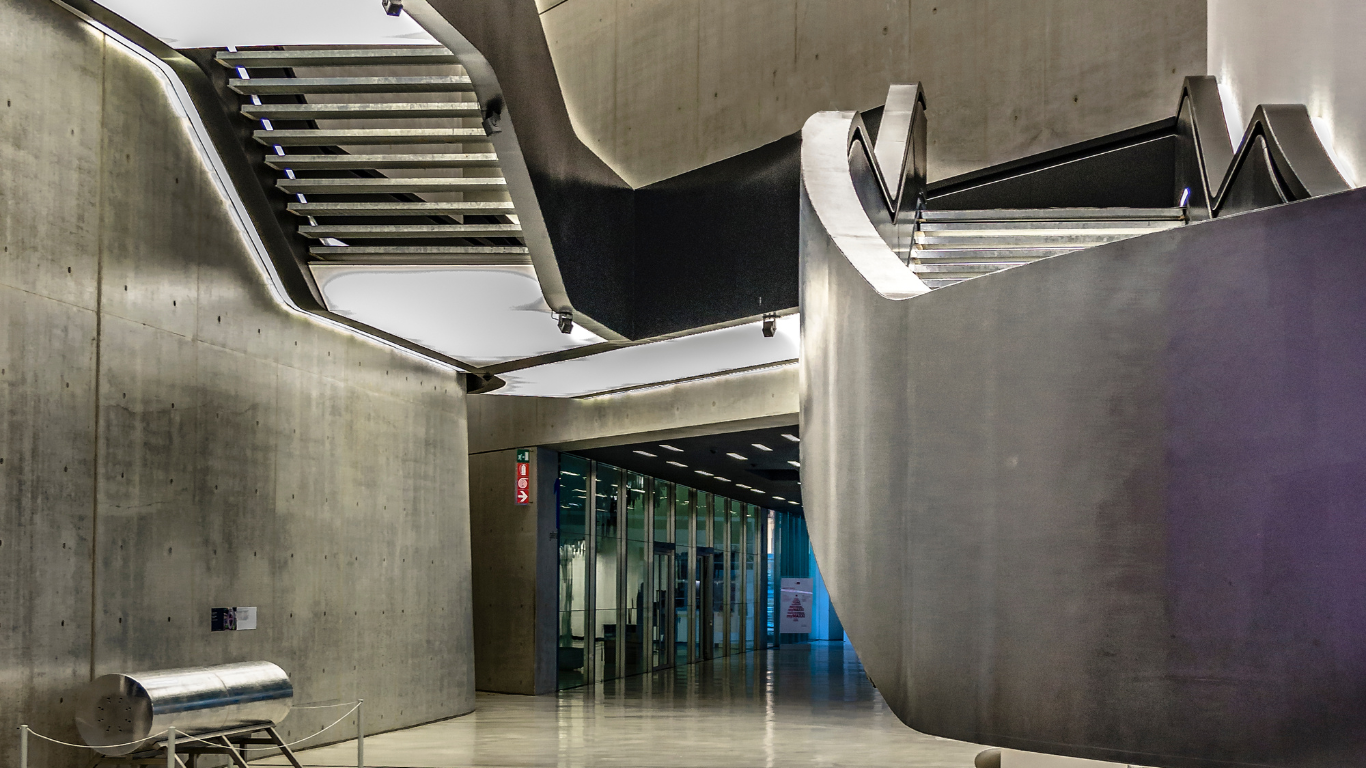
(230, 743)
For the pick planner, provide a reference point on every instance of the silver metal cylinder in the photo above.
(119, 709)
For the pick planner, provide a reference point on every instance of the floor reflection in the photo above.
(801, 705)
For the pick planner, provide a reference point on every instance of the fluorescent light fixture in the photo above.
(736, 348)
(780, 498)
(722, 479)
(737, 456)
(670, 448)
(678, 464)
(703, 473)
(567, 472)
(797, 464)
(761, 446)
(792, 502)
(741, 485)
(478, 314)
(793, 438)
(645, 453)
(756, 490)
(206, 24)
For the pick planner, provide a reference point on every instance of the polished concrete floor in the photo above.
(804, 705)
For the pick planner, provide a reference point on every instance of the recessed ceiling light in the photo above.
(797, 464)
(793, 438)
(677, 464)
(780, 498)
(761, 446)
(741, 485)
(736, 456)
(722, 479)
(645, 453)
(670, 448)
(703, 473)
(756, 490)
(791, 502)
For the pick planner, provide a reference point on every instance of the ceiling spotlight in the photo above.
(793, 438)
(736, 456)
(703, 473)
(796, 464)
(670, 448)
(393, 7)
(761, 446)
(770, 324)
(645, 453)
(565, 320)
(676, 464)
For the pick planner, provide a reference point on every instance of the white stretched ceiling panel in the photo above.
(701, 354)
(478, 314)
(221, 23)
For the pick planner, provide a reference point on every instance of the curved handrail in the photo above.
(1300, 166)
(833, 145)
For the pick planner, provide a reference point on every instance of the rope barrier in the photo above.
(185, 736)
(292, 743)
(87, 746)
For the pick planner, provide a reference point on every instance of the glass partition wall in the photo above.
(675, 576)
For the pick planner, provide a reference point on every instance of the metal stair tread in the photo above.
(1078, 242)
(401, 160)
(324, 137)
(374, 111)
(974, 269)
(986, 256)
(1133, 227)
(264, 86)
(401, 208)
(344, 231)
(1056, 214)
(352, 186)
(338, 57)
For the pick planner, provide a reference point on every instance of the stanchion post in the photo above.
(360, 733)
(170, 748)
(23, 746)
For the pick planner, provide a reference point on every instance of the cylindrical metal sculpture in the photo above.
(135, 709)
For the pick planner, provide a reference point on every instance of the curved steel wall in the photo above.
(1109, 505)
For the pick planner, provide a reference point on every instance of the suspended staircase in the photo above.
(383, 153)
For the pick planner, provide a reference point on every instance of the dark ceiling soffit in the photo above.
(709, 452)
(607, 253)
(290, 263)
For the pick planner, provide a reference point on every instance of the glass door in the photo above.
(704, 602)
(662, 643)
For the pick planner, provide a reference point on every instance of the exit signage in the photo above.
(522, 490)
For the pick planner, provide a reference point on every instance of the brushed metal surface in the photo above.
(121, 708)
(1106, 505)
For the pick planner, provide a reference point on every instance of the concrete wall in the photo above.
(171, 440)
(1299, 52)
(659, 87)
(515, 576)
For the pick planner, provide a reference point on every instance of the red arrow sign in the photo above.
(523, 497)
